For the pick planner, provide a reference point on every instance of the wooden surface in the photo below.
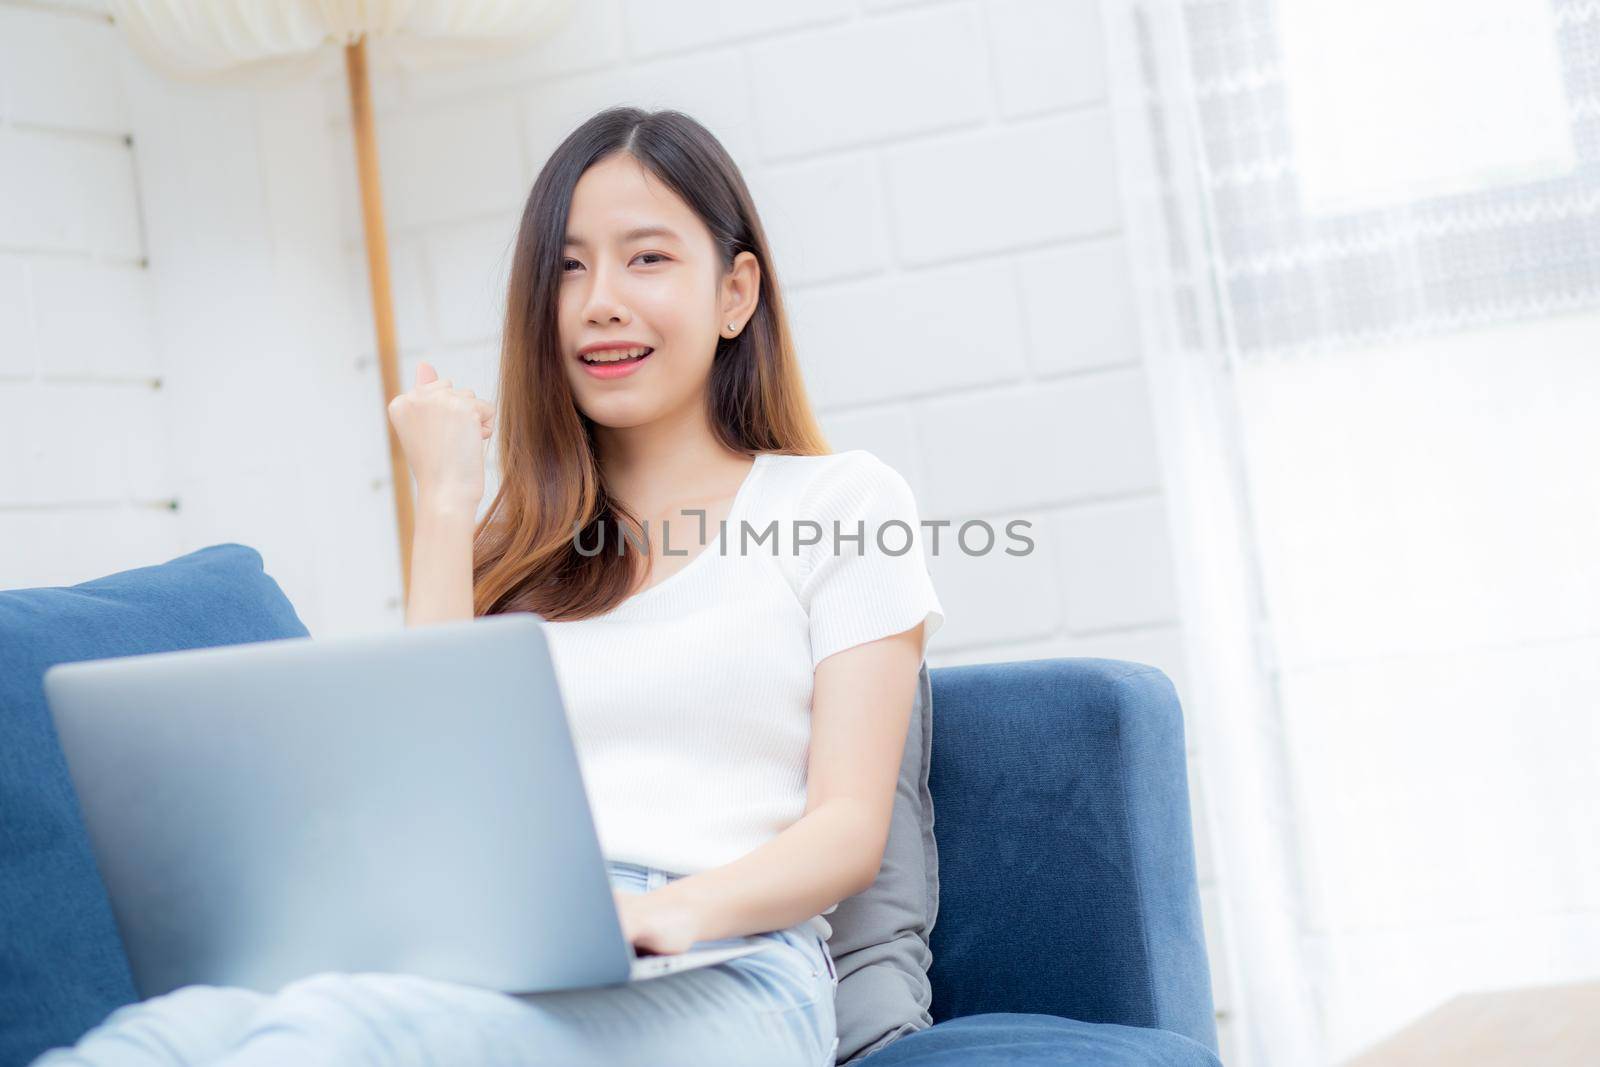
(355, 61)
(1541, 1026)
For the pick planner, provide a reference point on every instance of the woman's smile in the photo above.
(615, 368)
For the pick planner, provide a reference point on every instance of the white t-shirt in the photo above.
(690, 702)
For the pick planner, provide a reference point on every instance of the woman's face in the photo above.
(664, 290)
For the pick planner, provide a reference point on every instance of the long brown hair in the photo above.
(525, 557)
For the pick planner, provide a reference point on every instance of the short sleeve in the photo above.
(866, 577)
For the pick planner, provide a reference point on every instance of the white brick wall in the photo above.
(82, 415)
(937, 179)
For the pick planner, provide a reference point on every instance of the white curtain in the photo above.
(1367, 239)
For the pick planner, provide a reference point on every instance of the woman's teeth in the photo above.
(616, 355)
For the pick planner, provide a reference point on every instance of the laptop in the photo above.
(404, 802)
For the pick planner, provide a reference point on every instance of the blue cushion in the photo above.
(1006, 1038)
(1066, 865)
(62, 966)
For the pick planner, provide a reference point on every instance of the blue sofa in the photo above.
(1069, 923)
(1069, 928)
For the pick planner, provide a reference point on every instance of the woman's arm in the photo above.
(441, 560)
(860, 712)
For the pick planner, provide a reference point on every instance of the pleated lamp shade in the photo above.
(248, 40)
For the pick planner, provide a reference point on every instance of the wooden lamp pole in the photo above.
(355, 61)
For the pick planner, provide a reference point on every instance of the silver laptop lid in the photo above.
(408, 801)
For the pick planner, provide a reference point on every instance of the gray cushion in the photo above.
(880, 936)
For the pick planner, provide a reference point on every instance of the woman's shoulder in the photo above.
(807, 477)
(839, 485)
(820, 461)
(844, 489)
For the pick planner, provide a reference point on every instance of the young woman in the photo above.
(736, 630)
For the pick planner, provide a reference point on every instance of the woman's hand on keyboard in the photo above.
(656, 924)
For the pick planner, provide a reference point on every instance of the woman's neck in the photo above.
(653, 468)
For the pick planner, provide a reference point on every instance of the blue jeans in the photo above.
(773, 1007)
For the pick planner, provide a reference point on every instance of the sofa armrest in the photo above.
(1066, 861)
